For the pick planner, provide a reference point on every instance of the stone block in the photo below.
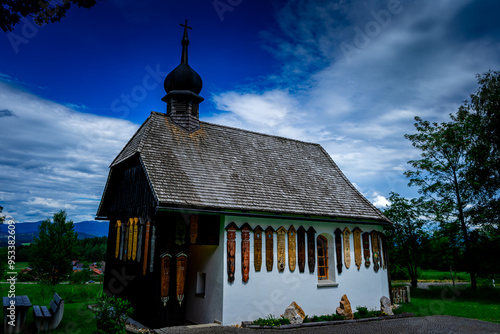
(385, 306)
(294, 313)
(345, 309)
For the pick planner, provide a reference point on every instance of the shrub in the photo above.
(80, 277)
(363, 312)
(398, 273)
(271, 321)
(112, 314)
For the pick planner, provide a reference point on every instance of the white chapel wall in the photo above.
(271, 292)
(207, 260)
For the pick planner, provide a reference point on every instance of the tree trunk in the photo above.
(468, 251)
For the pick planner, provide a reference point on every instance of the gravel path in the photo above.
(438, 324)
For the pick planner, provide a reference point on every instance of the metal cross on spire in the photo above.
(185, 25)
(185, 42)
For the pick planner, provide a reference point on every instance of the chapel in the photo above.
(210, 223)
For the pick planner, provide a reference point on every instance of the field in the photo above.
(436, 275)
(483, 304)
(77, 319)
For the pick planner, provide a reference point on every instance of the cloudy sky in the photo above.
(350, 75)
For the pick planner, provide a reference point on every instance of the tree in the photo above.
(54, 249)
(2, 217)
(42, 11)
(406, 234)
(441, 175)
(480, 116)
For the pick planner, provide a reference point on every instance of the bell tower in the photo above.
(182, 86)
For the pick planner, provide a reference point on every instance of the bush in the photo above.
(271, 321)
(398, 273)
(363, 312)
(112, 314)
(28, 276)
(328, 317)
(81, 276)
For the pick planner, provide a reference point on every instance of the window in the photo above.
(201, 279)
(322, 246)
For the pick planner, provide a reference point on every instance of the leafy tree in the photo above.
(459, 172)
(2, 217)
(441, 175)
(54, 249)
(480, 117)
(42, 11)
(406, 235)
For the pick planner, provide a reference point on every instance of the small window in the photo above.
(322, 246)
(200, 284)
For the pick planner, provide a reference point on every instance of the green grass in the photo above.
(437, 275)
(77, 317)
(483, 304)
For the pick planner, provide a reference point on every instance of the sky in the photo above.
(349, 75)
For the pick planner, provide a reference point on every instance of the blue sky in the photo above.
(350, 75)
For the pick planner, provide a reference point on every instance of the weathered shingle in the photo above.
(226, 168)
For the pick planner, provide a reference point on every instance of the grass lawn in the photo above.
(483, 304)
(437, 275)
(77, 317)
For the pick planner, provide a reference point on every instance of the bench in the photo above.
(48, 318)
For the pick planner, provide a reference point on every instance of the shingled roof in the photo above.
(221, 167)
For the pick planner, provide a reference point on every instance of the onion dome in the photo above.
(183, 77)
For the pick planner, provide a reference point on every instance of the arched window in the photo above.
(322, 246)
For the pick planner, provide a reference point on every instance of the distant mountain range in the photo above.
(25, 232)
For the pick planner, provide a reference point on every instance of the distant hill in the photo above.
(25, 232)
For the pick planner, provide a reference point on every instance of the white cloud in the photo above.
(380, 201)
(53, 157)
(423, 62)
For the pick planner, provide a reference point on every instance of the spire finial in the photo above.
(185, 42)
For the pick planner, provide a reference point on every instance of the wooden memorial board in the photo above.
(366, 248)
(140, 237)
(257, 248)
(338, 249)
(245, 251)
(146, 248)
(347, 247)
(125, 243)
(281, 236)
(152, 252)
(375, 250)
(301, 246)
(380, 250)
(165, 276)
(292, 248)
(130, 238)
(269, 248)
(193, 228)
(117, 248)
(311, 249)
(231, 251)
(384, 253)
(356, 235)
(122, 241)
(134, 242)
(181, 276)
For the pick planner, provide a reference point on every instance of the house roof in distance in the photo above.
(221, 167)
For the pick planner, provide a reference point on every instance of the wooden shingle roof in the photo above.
(221, 167)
